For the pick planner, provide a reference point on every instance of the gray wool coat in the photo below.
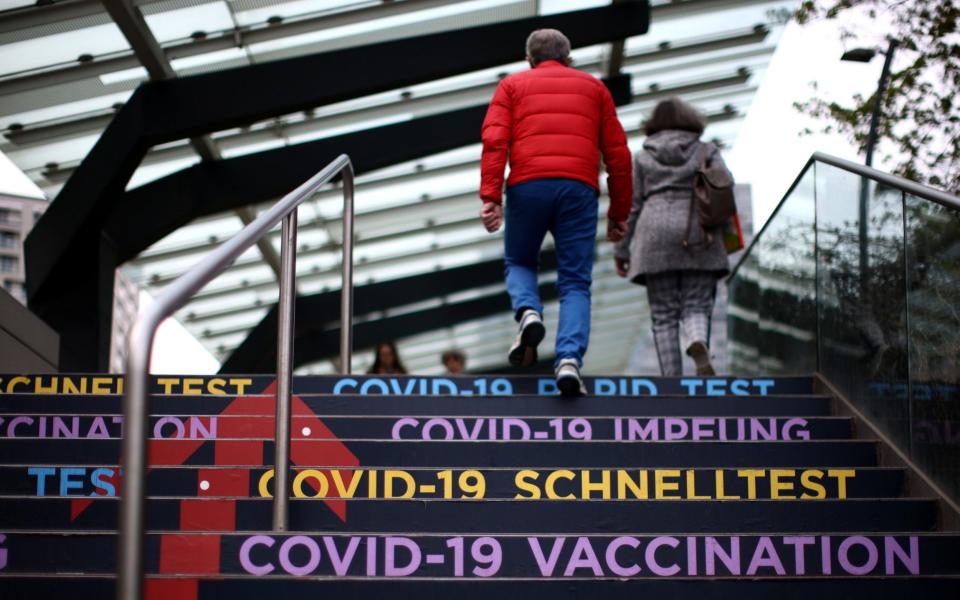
(662, 187)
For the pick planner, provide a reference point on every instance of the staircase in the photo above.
(465, 488)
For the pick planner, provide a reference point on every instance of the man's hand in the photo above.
(622, 265)
(492, 216)
(616, 230)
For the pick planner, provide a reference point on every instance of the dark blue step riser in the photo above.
(409, 385)
(746, 406)
(616, 484)
(469, 516)
(32, 452)
(497, 557)
(436, 428)
(475, 589)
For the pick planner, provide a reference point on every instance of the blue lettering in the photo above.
(763, 385)
(343, 383)
(547, 387)
(374, 383)
(644, 384)
(66, 484)
(691, 385)
(716, 387)
(100, 483)
(604, 387)
(441, 386)
(740, 387)
(406, 390)
(41, 474)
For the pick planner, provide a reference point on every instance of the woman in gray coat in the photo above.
(679, 270)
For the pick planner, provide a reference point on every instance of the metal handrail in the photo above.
(173, 297)
(910, 187)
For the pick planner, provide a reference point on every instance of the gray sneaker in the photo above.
(523, 352)
(568, 378)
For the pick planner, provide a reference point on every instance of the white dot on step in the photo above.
(204, 485)
(305, 431)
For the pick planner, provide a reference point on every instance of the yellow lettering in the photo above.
(322, 485)
(841, 476)
(661, 485)
(241, 384)
(552, 482)
(751, 476)
(119, 386)
(691, 490)
(521, 481)
(192, 386)
(587, 486)
(342, 490)
(406, 478)
(372, 484)
(638, 488)
(51, 389)
(215, 386)
(719, 474)
(167, 383)
(101, 385)
(70, 386)
(14, 381)
(777, 486)
(264, 480)
(810, 480)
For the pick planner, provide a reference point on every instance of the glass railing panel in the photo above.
(787, 318)
(862, 295)
(743, 305)
(772, 315)
(933, 298)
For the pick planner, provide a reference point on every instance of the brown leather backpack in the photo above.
(712, 199)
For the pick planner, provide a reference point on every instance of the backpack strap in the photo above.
(703, 153)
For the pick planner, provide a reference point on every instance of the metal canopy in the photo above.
(416, 203)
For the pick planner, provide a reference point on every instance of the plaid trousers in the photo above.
(677, 297)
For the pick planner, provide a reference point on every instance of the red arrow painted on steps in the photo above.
(249, 421)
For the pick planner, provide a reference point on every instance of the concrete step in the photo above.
(497, 483)
(495, 556)
(570, 588)
(477, 516)
(443, 454)
(404, 385)
(403, 406)
(448, 427)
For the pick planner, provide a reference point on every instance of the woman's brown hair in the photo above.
(674, 113)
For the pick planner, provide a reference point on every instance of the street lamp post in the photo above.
(866, 55)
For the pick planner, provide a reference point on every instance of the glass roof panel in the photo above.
(26, 55)
(296, 8)
(180, 23)
(11, 4)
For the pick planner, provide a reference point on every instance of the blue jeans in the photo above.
(568, 210)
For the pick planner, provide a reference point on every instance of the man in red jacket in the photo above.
(552, 123)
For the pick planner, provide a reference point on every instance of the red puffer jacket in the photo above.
(553, 121)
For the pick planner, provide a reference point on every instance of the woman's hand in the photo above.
(622, 266)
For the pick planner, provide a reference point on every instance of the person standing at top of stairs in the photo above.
(552, 122)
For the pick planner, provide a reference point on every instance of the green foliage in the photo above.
(920, 123)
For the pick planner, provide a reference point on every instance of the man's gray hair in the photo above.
(547, 44)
